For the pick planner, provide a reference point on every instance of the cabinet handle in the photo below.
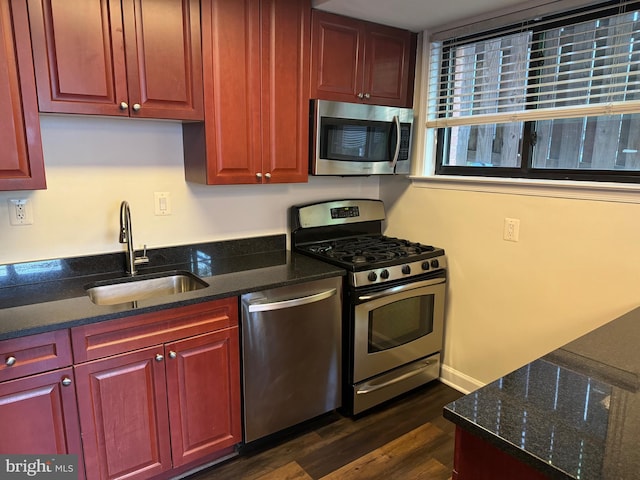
(136, 107)
(10, 361)
(258, 175)
(367, 95)
(66, 381)
(360, 95)
(159, 357)
(172, 354)
(123, 105)
(267, 175)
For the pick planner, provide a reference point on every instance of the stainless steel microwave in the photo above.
(358, 139)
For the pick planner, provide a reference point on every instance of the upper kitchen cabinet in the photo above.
(137, 58)
(21, 160)
(357, 61)
(256, 64)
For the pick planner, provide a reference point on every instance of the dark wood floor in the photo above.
(406, 438)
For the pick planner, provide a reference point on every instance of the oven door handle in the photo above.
(370, 387)
(295, 302)
(401, 288)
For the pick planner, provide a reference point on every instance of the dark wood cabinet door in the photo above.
(38, 415)
(476, 459)
(387, 74)
(256, 94)
(78, 52)
(139, 58)
(285, 88)
(123, 415)
(225, 149)
(164, 60)
(203, 389)
(337, 44)
(21, 159)
(361, 62)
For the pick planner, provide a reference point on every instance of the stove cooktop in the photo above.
(370, 251)
(348, 233)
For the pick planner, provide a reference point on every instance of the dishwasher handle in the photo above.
(294, 302)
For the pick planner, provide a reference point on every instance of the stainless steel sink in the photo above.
(143, 287)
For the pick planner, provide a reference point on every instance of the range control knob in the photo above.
(425, 265)
(406, 269)
(384, 274)
(372, 276)
(435, 263)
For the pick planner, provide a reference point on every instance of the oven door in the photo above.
(396, 326)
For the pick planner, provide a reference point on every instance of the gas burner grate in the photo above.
(368, 249)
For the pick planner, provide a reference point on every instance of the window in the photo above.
(555, 98)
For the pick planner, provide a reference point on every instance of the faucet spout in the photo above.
(126, 236)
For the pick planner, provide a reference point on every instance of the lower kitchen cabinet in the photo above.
(158, 408)
(38, 410)
(475, 459)
(38, 415)
(123, 415)
(203, 390)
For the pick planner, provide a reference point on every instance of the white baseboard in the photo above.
(458, 380)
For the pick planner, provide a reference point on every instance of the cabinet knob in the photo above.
(136, 107)
(367, 95)
(123, 105)
(172, 354)
(267, 175)
(159, 357)
(10, 361)
(258, 175)
(66, 381)
(360, 95)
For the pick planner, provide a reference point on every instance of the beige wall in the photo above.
(576, 266)
(94, 163)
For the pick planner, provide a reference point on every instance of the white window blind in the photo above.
(542, 70)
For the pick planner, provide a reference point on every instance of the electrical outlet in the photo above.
(511, 229)
(20, 212)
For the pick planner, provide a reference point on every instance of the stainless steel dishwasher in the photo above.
(291, 351)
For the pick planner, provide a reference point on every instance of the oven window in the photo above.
(400, 322)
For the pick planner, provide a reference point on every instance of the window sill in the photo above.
(600, 191)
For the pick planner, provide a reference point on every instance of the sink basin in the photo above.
(143, 287)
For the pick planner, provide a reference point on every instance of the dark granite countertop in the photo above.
(572, 414)
(47, 295)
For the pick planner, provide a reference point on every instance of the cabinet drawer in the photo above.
(99, 340)
(34, 354)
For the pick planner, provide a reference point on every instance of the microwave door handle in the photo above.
(396, 120)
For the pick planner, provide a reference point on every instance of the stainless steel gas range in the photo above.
(394, 293)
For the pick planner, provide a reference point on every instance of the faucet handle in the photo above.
(143, 258)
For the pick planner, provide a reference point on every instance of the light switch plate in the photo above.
(162, 202)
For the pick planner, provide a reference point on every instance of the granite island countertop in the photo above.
(42, 296)
(572, 414)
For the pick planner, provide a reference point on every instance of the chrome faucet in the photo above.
(126, 236)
